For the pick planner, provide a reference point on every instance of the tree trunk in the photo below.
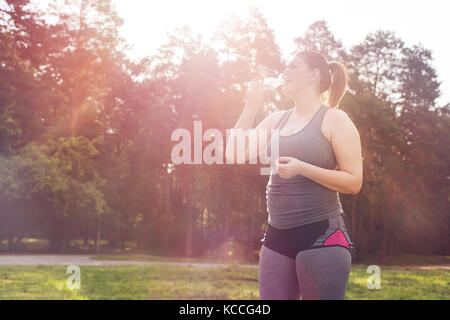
(168, 188)
(386, 231)
(252, 222)
(10, 234)
(225, 210)
(188, 208)
(204, 213)
(98, 239)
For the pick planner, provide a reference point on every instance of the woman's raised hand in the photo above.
(254, 97)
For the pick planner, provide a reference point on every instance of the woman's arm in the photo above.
(244, 124)
(346, 144)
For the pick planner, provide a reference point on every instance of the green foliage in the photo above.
(63, 173)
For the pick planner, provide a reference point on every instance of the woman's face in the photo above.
(297, 76)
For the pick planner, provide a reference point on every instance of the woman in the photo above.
(306, 248)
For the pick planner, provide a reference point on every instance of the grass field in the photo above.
(400, 259)
(164, 281)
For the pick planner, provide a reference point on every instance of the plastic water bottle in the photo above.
(272, 83)
(269, 83)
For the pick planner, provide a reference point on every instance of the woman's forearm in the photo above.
(244, 123)
(340, 181)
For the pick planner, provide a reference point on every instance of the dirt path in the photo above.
(85, 260)
(426, 267)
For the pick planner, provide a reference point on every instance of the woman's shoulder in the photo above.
(336, 116)
(335, 120)
(276, 116)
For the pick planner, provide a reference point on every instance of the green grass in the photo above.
(164, 281)
(401, 259)
(400, 284)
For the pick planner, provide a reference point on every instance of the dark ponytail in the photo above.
(339, 81)
(333, 76)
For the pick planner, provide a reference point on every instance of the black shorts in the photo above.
(289, 242)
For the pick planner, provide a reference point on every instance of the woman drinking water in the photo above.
(307, 250)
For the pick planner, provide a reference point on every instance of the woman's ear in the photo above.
(314, 75)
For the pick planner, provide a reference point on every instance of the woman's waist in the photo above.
(300, 189)
(303, 201)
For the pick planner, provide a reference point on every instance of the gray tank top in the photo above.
(299, 200)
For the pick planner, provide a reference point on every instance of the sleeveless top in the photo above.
(299, 200)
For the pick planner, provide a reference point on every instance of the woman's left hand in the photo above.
(287, 167)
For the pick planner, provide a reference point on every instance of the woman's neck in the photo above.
(306, 104)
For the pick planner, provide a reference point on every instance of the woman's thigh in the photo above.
(277, 276)
(323, 272)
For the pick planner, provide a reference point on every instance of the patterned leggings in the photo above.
(311, 261)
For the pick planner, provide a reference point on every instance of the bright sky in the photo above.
(147, 22)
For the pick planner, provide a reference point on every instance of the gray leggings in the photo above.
(319, 274)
